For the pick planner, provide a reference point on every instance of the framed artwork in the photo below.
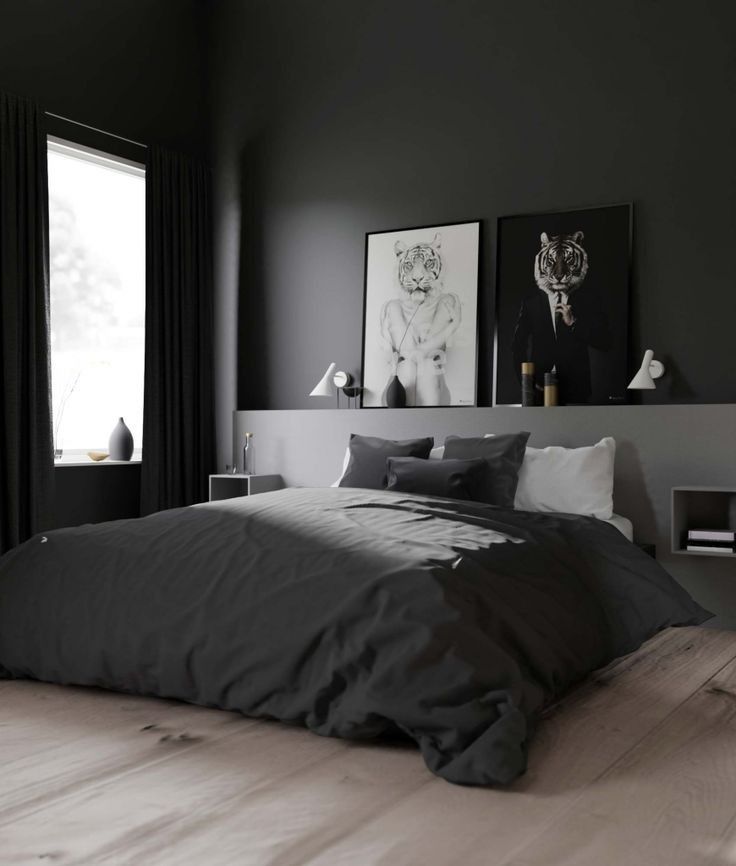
(562, 303)
(420, 316)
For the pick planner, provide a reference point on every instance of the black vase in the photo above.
(395, 394)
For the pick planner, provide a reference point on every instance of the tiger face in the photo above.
(419, 267)
(561, 264)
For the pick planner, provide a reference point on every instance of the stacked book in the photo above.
(712, 540)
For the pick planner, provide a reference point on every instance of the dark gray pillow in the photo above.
(503, 454)
(368, 455)
(456, 479)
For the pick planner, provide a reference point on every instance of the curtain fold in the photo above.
(26, 439)
(178, 425)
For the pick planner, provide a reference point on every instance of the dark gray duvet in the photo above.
(356, 613)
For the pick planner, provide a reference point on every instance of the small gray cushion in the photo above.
(368, 455)
(503, 455)
(454, 479)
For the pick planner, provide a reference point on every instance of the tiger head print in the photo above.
(420, 267)
(561, 264)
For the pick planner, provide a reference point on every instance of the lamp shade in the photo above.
(325, 386)
(647, 373)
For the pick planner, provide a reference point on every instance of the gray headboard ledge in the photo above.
(658, 447)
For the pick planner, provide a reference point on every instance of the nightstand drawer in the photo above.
(230, 486)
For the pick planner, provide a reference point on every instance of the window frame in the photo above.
(117, 156)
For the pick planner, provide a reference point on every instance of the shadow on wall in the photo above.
(679, 389)
(631, 495)
(252, 352)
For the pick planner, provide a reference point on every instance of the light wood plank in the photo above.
(142, 809)
(724, 853)
(81, 736)
(668, 802)
(52, 717)
(269, 794)
(286, 819)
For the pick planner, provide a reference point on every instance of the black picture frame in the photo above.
(608, 242)
(468, 291)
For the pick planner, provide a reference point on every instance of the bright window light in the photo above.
(98, 277)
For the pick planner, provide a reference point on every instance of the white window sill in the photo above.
(80, 458)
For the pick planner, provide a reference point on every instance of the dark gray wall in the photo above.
(95, 493)
(132, 67)
(335, 118)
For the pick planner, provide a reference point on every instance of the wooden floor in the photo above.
(638, 766)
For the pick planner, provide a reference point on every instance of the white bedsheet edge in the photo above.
(623, 524)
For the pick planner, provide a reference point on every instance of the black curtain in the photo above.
(26, 439)
(178, 426)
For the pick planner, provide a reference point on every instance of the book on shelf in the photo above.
(724, 535)
(726, 549)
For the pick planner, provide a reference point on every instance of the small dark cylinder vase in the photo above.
(550, 389)
(528, 391)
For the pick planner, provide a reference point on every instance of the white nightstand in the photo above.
(229, 486)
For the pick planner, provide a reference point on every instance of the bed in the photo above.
(357, 613)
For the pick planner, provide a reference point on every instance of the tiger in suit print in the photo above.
(417, 327)
(558, 323)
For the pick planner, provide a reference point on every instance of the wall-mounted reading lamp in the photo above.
(647, 373)
(335, 381)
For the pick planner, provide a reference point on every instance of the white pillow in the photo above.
(437, 453)
(570, 480)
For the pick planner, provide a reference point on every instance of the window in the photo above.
(98, 275)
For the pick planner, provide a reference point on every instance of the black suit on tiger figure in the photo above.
(558, 324)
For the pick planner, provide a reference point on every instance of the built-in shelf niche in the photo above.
(701, 508)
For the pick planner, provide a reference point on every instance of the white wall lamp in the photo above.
(333, 382)
(647, 373)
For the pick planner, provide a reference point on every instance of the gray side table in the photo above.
(230, 486)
